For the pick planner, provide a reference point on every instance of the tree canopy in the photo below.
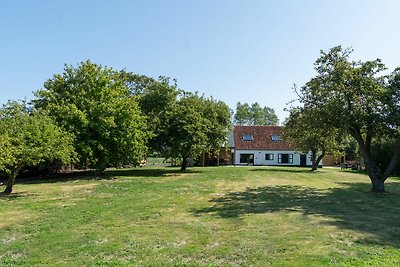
(96, 117)
(94, 103)
(307, 131)
(184, 124)
(29, 138)
(359, 98)
(254, 114)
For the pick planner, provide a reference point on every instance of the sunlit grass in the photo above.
(226, 216)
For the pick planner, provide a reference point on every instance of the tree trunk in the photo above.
(314, 165)
(313, 159)
(316, 160)
(184, 164)
(10, 182)
(375, 174)
(374, 171)
(378, 185)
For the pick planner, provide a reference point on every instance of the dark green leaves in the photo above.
(94, 103)
(29, 139)
(254, 114)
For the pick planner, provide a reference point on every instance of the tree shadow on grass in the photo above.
(350, 207)
(14, 196)
(283, 169)
(107, 175)
(148, 172)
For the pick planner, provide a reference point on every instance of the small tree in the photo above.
(195, 125)
(183, 124)
(187, 129)
(305, 129)
(29, 139)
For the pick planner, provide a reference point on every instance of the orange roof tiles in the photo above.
(262, 138)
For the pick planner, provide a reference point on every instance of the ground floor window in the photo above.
(285, 158)
(269, 156)
(247, 158)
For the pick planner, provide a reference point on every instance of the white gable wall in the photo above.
(259, 157)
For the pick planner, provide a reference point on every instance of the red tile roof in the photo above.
(262, 138)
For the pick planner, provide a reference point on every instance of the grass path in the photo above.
(226, 216)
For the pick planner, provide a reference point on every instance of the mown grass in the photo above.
(226, 216)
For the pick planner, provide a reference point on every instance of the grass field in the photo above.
(226, 216)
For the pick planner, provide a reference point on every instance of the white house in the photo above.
(263, 145)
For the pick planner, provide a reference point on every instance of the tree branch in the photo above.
(393, 161)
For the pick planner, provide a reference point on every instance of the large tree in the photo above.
(29, 138)
(183, 124)
(254, 114)
(305, 128)
(358, 98)
(94, 103)
(158, 102)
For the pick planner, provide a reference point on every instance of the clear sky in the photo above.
(233, 50)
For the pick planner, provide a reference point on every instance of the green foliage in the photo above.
(350, 94)
(94, 103)
(355, 97)
(116, 116)
(194, 125)
(29, 139)
(306, 129)
(183, 124)
(350, 149)
(254, 115)
(382, 151)
(136, 83)
(242, 115)
(157, 102)
(187, 128)
(217, 113)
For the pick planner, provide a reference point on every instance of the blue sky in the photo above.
(232, 50)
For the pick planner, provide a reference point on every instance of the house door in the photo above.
(303, 160)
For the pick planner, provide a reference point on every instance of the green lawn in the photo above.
(226, 216)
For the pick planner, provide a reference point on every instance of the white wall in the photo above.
(259, 157)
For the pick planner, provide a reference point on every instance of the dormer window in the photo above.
(247, 137)
(276, 138)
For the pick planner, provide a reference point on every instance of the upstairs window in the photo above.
(276, 138)
(247, 137)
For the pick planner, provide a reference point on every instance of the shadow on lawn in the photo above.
(107, 175)
(280, 169)
(15, 196)
(352, 207)
(147, 172)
